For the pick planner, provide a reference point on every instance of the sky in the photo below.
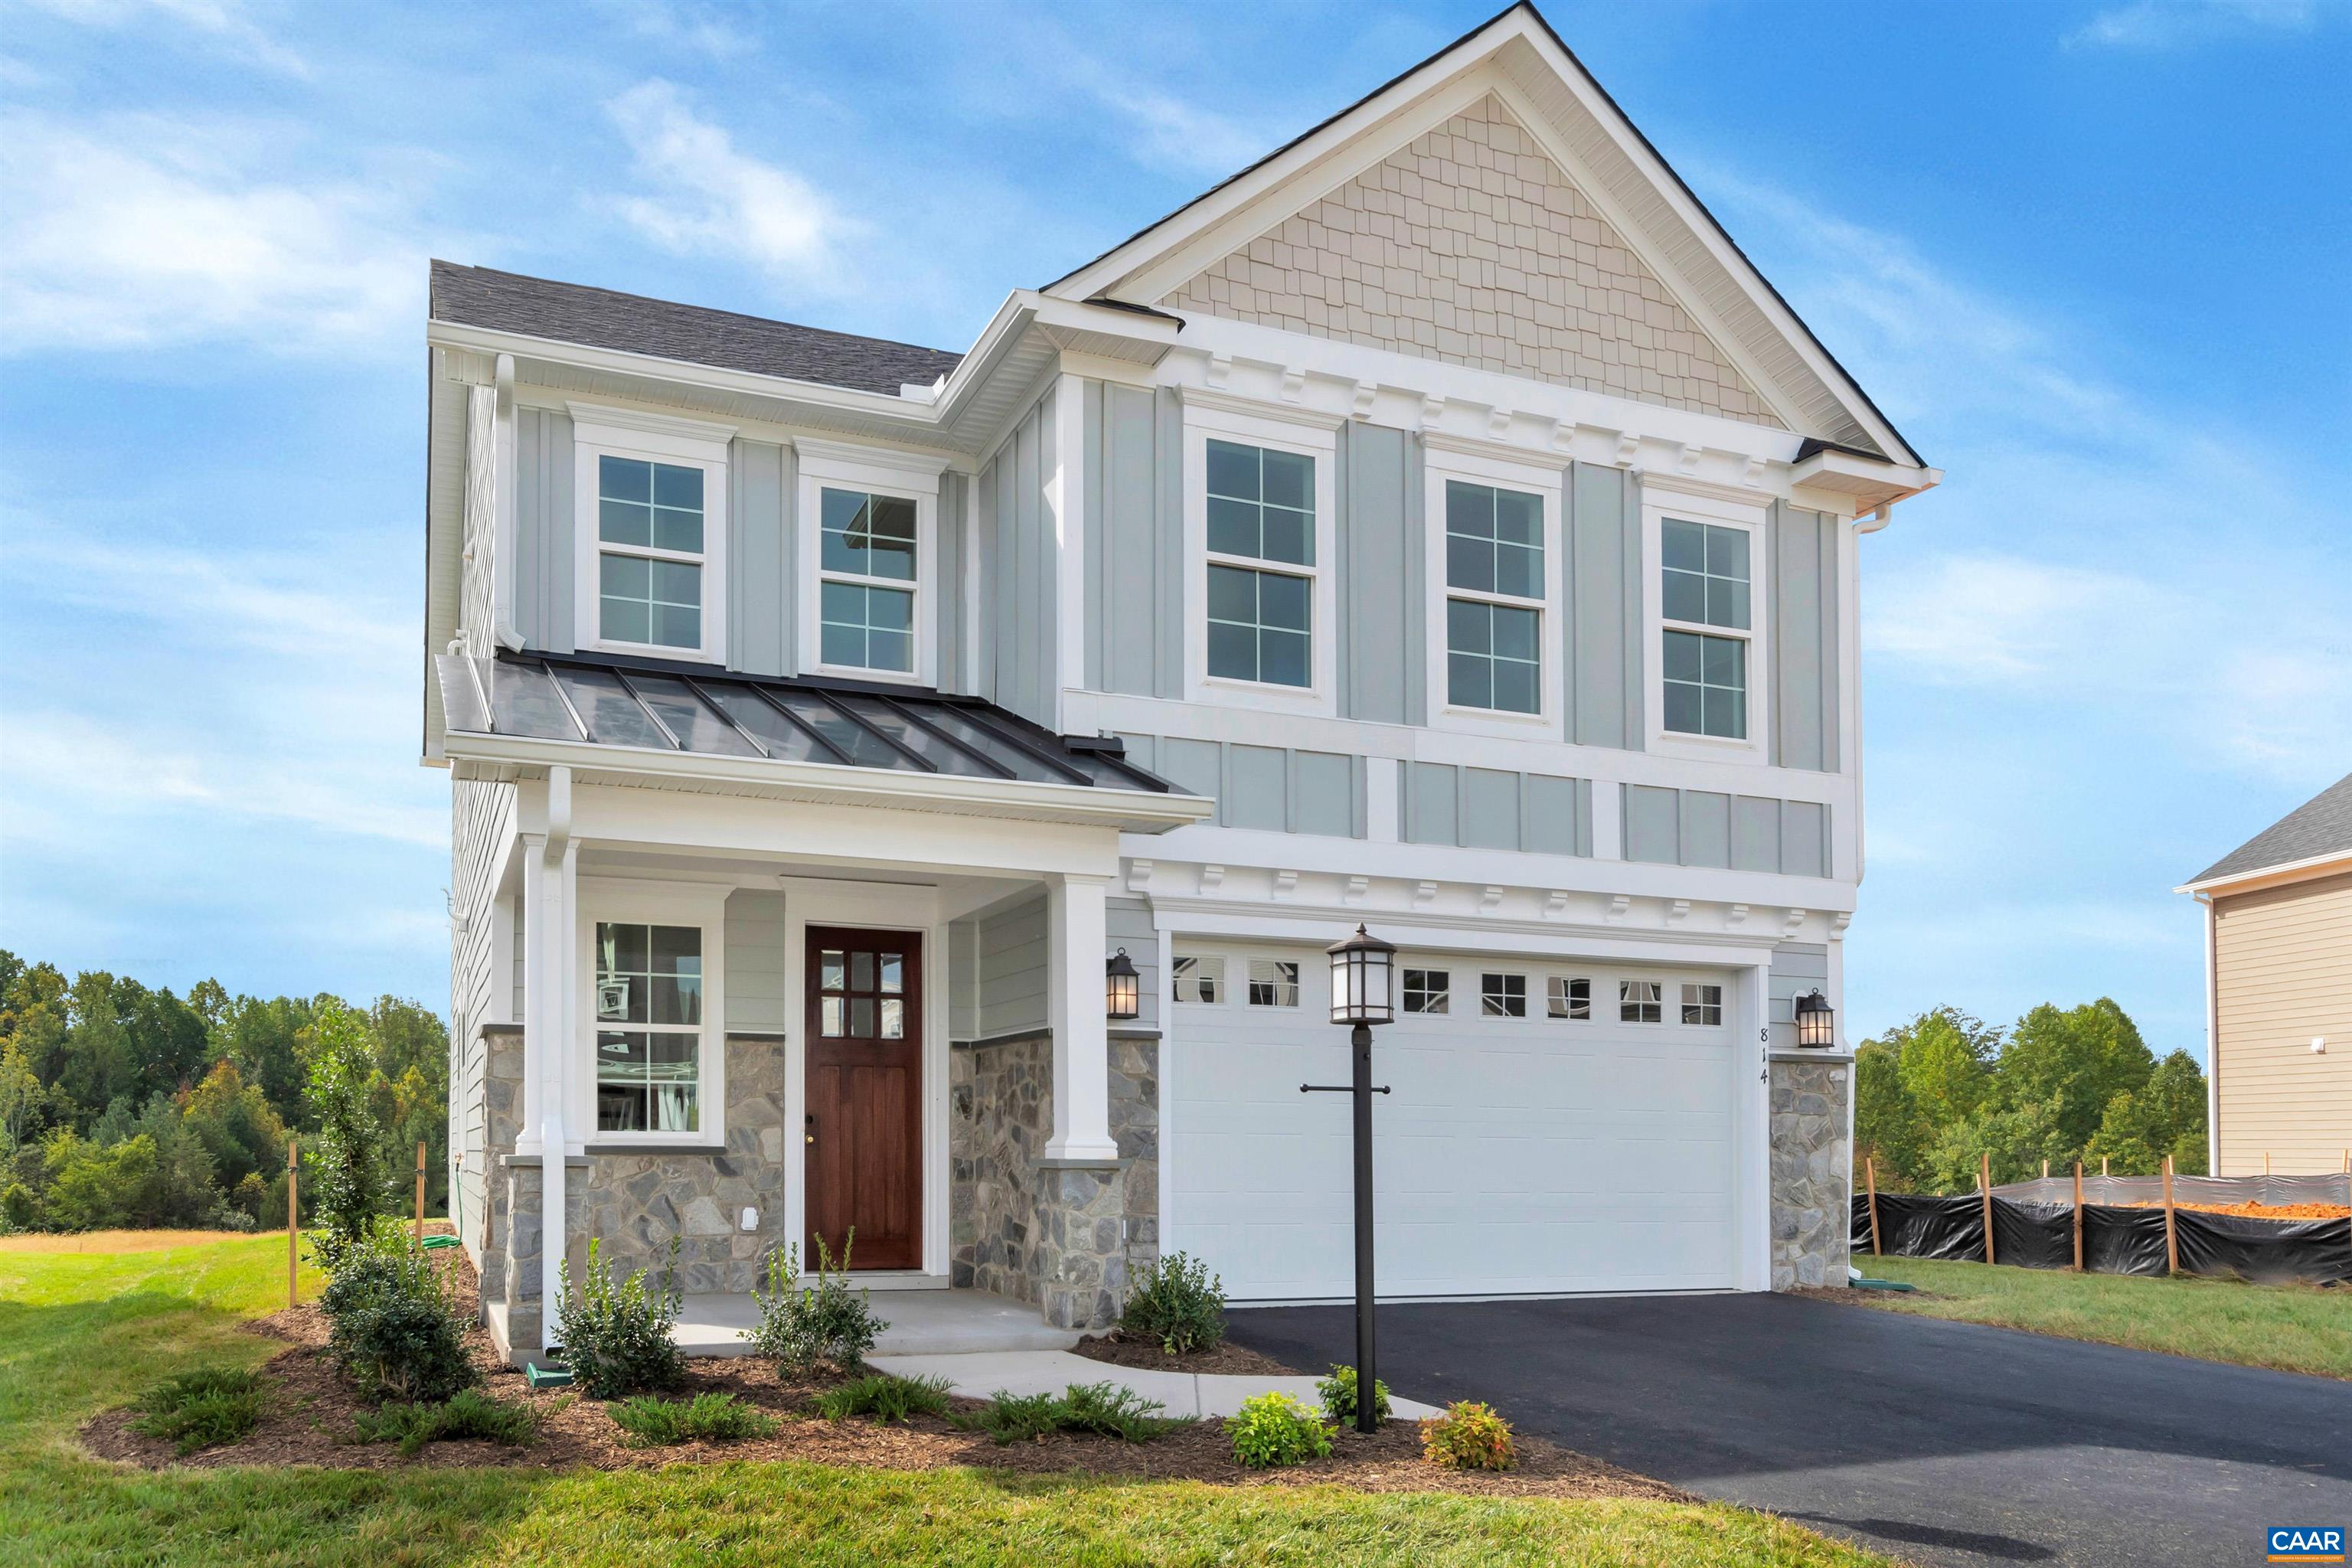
(2091, 257)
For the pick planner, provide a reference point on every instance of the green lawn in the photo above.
(81, 1332)
(2294, 1327)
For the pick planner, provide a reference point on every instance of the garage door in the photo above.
(1554, 1127)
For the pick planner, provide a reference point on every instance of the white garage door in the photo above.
(1518, 1154)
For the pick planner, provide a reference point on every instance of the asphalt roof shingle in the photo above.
(2320, 825)
(606, 318)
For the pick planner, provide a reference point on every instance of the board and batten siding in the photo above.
(1732, 832)
(1801, 576)
(2281, 978)
(1133, 510)
(1494, 808)
(1382, 571)
(543, 522)
(760, 559)
(1603, 682)
(1273, 789)
(1017, 597)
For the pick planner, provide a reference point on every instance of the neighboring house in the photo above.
(2278, 992)
(1439, 525)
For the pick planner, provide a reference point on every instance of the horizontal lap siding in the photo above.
(2283, 976)
(480, 815)
(754, 931)
(1012, 960)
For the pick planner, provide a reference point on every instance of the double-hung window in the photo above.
(1261, 571)
(865, 594)
(1495, 599)
(649, 533)
(649, 1012)
(1706, 593)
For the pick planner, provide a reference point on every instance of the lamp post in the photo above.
(1816, 1021)
(1122, 995)
(1362, 994)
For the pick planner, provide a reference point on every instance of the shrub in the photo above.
(885, 1397)
(344, 1177)
(652, 1423)
(1337, 1393)
(201, 1409)
(392, 1327)
(1105, 1408)
(1468, 1437)
(1177, 1302)
(803, 1325)
(616, 1334)
(467, 1414)
(1273, 1429)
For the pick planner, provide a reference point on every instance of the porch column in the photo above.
(1078, 945)
(551, 1014)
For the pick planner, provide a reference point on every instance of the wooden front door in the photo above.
(864, 1131)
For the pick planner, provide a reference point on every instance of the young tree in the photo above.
(344, 1176)
(1887, 1126)
(2075, 1062)
(1945, 1059)
(2165, 1116)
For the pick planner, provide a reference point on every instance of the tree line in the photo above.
(126, 1106)
(1934, 1095)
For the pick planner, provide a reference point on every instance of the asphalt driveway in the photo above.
(1944, 1443)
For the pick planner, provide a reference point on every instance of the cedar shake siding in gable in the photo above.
(1470, 246)
(2282, 977)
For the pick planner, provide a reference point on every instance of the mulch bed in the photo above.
(1224, 1356)
(311, 1413)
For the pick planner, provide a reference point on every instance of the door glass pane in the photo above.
(861, 971)
(830, 1019)
(893, 976)
(861, 1018)
(894, 1018)
(831, 971)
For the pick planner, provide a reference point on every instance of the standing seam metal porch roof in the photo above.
(662, 706)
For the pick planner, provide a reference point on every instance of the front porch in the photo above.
(747, 1024)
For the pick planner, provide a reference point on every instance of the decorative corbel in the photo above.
(1294, 384)
(1555, 903)
(1678, 911)
(1286, 883)
(1433, 409)
(1355, 888)
(1490, 898)
(1138, 876)
(1212, 877)
(1629, 446)
(1619, 906)
(1361, 403)
(1498, 423)
(1220, 369)
(1423, 894)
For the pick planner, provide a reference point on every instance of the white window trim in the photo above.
(1446, 459)
(654, 903)
(1309, 439)
(1659, 503)
(598, 431)
(878, 471)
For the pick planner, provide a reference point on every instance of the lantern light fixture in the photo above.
(1816, 1021)
(1362, 980)
(1122, 992)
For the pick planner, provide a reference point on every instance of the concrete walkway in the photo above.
(985, 1374)
(922, 1322)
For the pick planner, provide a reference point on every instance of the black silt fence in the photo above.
(2115, 1240)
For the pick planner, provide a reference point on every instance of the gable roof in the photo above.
(2319, 828)
(1867, 425)
(606, 318)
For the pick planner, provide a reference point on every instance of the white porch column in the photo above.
(1078, 945)
(551, 1016)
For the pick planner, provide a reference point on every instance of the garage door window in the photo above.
(1272, 983)
(1428, 991)
(1641, 1002)
(1702, 1004)
(1502, 996)
(1570, 998)
(1200, 979)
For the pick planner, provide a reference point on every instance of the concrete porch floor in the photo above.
(922, 1322)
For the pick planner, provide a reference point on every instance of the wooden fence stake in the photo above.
(2078, 1217)
(1984, 1185)
(2045, 1170)
(2171, 1238)
(293, 1225)
(1870, 1175)
(2103, 1164)
(2267, 1161)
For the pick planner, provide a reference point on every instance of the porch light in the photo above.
(1816, 1024)
(1122, 996)
(1361, 980)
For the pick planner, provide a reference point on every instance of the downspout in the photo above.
(562, 936)
(505, 558)
(2212, 1038)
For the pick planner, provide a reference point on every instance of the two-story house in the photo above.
(1440, 525)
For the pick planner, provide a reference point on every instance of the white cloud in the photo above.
(717, 200)
(141, 232)
(2150, 24)
(699, 28)
(1165, 130)
(224, 23)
